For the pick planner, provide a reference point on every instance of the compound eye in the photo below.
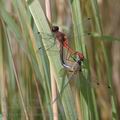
(55, 28)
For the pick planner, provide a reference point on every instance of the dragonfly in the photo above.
(63, 42)
(78, 56)
(61, 36)
(74, 58)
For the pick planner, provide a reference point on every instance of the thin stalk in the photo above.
(48, 10)
(53, 81)
(40, 98)
(18, 84)
(54, 95)
(2, 81)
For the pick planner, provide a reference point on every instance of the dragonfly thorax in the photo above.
(80, 55)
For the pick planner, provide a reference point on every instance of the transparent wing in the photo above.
(50, 42)
(82, 82)
(49, 46)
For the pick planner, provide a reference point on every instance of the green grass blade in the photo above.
(43, 27)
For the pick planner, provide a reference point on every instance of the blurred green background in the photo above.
(30, 78)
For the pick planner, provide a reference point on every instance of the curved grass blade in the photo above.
(43, 27)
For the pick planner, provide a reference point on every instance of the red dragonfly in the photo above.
(63, 43)
(61, 37)
(77, 57)
(62, 40)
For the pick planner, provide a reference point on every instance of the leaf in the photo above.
(104, 37)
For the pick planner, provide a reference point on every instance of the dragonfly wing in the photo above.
(92, 83)
(42, 50)
(75, 70)
(49, 43)
(87, 22)
(48, 38)
(63, 87)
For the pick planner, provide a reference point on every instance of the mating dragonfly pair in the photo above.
(74, 57)
(63, 43)
(77, 57)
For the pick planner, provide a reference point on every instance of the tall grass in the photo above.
(26, 71)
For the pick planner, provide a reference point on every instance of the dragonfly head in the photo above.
(55, 29)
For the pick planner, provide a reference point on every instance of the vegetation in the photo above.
(31, 74)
